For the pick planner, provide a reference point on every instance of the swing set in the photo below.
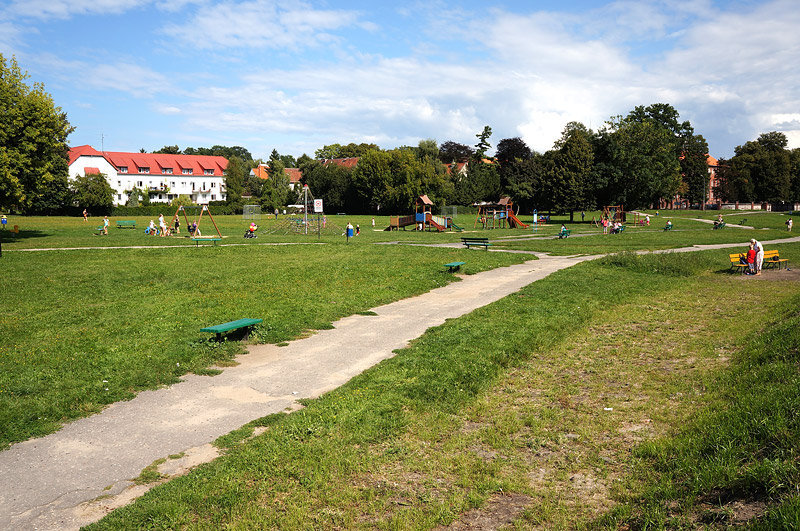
(196, 234)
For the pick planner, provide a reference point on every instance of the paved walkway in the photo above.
(45, 483)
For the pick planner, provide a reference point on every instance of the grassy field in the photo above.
(527, 408)
(82, 329)
(542, 395)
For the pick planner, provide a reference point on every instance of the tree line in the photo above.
(637, 160)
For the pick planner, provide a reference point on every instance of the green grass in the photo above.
(479, 405)
(83, 329)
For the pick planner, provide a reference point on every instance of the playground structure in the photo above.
(498, 215)
(614, 213)
(423, 218)
(203, 209)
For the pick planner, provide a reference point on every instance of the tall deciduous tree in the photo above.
(573, 160)
(92, 192)
(275, 191)
(450, 152)
(766, 164)
(235, 175)
(33, 140)
(694, 168)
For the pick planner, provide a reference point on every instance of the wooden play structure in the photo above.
(614, 213)
(498, 215)
(197, 236)
(423, 218)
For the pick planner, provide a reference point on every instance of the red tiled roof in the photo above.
(76, 152)
(262, 172)
(155, 161)
(711, 161)
(349, 162)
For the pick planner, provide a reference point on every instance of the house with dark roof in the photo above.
(163, 176)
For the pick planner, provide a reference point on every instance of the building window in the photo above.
(213, 185)
(224, 172)
(187, 171)
(213, 197)
(192, 186)
(144, 169)
(159, 196)
(119, 196)
(208, 172)
(172, 184)
(139, 184)
(119, 183)
(123, 169)
(168, 171)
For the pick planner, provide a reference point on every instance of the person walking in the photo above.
(789, 224)
(105, 225)
(85, 215)
(162, 225)
(759, 249)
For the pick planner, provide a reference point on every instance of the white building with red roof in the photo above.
(163, 176)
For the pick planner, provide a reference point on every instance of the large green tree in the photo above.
(275, 192)
(766, 164)
(235, 175)
(572, 166)
(33, 141)
(694, 168)
(92, 192)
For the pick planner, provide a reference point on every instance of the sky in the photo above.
(297, 75)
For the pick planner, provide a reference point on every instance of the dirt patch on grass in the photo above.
(500, 510)
(787, 274)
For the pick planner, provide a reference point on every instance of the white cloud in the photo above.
(46, 9)
(260, 24)
(136, 80)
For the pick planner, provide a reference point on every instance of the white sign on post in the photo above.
(317, 205)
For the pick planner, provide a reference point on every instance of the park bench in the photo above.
(564, 233)
(736, 262)
(126, 223)
(468, 242)
(198, 239)
(619, 230)
(743, 221)
(454, 266)
(719, 225)
(99, 229)
(668, 227)
(773, 259)
(230, 326)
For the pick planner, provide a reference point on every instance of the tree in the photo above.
(92, 192)
(275, 191)
(636, 163)
(33, 140)
(572, 165)
(450, 152)
(235, 175)
(169, 150)
(766, 164)
(694, 168)
(512, 149)
(483, 144)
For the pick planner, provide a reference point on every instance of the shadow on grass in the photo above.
(6, 236)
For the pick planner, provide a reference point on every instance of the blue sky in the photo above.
(296, 75)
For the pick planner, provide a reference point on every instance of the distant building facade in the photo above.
(163, 176)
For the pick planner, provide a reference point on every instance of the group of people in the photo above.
(164, 230)
(754, 258)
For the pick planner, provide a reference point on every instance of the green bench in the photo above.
(198, 239)
(126, 224)
(479, 242)
(564, 233)
(230, 326)
(668, 227)
(619, 230)
(454, 266)
(99, 229)
(719, 225)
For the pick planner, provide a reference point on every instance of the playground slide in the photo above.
(513, 219)
(459, 229)
(436, 225)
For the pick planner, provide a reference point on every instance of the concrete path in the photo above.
(45, 482)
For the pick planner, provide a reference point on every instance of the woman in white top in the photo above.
(759, 249)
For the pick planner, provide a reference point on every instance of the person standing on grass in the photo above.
(751, 260)
(105, 225)
(358, 229)
(759, 249)
(162, 225)
(85, 215)
(177, 222)
(647, 219)
(583, 216)
(789, 224)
